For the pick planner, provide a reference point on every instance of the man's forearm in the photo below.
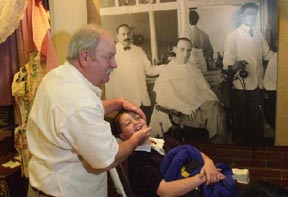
(125, 149)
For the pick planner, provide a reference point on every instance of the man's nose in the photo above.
(126, 36)
(113, 63)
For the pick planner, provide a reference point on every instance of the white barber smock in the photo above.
(181, 87)
(270, 77)
(239, 45)
(68, 137)
(128, 80)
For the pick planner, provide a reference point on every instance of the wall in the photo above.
(282, 94)
(66, 17)
(264, 163)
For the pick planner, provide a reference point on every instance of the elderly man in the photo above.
(71, 144)
(181, 86)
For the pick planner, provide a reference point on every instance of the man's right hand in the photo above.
(126, 147)
(141, 136)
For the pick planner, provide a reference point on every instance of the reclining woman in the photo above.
(144, 164)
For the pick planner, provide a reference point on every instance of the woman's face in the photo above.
(129, 124)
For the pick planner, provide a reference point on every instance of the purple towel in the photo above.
(186, 160)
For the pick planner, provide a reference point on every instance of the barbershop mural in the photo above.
(200, 70)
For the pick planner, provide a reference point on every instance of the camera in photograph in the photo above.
(238, 67)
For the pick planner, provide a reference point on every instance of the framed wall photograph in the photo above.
(158, 23)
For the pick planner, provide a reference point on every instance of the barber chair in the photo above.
(121, 184)
(184, 128)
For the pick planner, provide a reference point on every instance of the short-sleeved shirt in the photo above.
(68, 136)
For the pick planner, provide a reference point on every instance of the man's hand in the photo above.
(141, 136)
(127, 105)
(114, 105)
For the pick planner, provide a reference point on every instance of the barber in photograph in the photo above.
(71, 144)
(129, 80)
(245, 43)
(200, 39)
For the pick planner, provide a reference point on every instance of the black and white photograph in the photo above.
(143, 98)
(226, 93)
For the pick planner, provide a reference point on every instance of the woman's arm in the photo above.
(180, 187)
(209, 174)
(210, 171)
(142, 167)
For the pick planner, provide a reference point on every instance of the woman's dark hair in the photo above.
(116, 130)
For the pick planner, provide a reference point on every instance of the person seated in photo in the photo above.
(181, 86)
(145, 162)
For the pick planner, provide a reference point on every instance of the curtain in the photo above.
(30, 48)
(11, 12)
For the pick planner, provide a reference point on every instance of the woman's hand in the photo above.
(213, 175)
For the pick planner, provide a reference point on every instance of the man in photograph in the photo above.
(181, 86)
(245, 43)
(129, 80)
(200, 40)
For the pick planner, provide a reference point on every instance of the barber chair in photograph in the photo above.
(184, 128)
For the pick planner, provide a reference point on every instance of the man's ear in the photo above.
(83, 57)
(174, 49)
